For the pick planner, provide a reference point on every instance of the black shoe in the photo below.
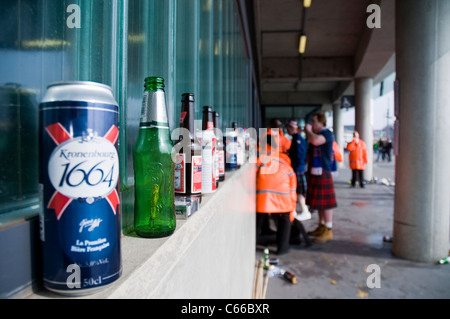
(283, 251)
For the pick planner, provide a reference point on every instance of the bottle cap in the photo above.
(154, 82)
(187, 97)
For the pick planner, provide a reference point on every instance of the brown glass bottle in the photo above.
(239, 152)
(208, 152)
(220, 147)
(188, 157)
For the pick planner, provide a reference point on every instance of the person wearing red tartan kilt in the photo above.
(320, 192)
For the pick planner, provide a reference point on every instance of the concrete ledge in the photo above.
(210, 255)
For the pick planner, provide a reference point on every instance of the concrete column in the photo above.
(363, 118)
(338, 128)
(422, 190)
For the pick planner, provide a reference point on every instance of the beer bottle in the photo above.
(220, 149)
(266, 258)
(188, 159)
(231, 149)
(154, 208)
(240, 148)
(289, 276)
(208, 152)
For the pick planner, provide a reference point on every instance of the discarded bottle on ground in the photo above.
(288, 276)
(266, 258)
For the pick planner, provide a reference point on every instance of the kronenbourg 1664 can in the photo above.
(79, 173)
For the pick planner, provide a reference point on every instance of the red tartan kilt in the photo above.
(320, 193)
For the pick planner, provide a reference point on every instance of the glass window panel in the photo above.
(150, 52)
(226, 65)
(301, 112)
(206, 54)
(195, 45)
(283, 113)
(218, 61)
(38, 48)
(186, 52)
(232, 77)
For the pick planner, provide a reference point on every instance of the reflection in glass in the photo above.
(195, 45)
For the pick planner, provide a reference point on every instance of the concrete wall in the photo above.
(211, 255)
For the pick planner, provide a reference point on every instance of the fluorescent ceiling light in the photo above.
(302, 44)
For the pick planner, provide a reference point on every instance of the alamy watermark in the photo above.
(74, 19)
(74, 279)
(374, 19)
(374, 279)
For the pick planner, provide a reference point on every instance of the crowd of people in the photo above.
(294, 176)
(383, 147)
(293, 173)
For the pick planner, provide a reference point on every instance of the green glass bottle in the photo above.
(154, 208)
(266, 258)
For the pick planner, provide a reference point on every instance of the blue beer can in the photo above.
(79, 174)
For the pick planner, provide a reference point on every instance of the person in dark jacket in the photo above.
(297, 154)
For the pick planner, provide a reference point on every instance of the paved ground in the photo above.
(338, 269)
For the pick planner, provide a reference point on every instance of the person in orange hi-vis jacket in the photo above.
(284, 142)
(357, 158)
(276, 194)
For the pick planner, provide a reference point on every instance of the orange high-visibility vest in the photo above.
(285, 143)
(276, 184)
(358, 155)
(337, 152)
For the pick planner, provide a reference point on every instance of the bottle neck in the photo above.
(217, 130)
(208, 122)
(216, 122)
(154, 111)
(187, 117)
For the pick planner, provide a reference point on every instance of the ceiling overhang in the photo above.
(340, 48)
